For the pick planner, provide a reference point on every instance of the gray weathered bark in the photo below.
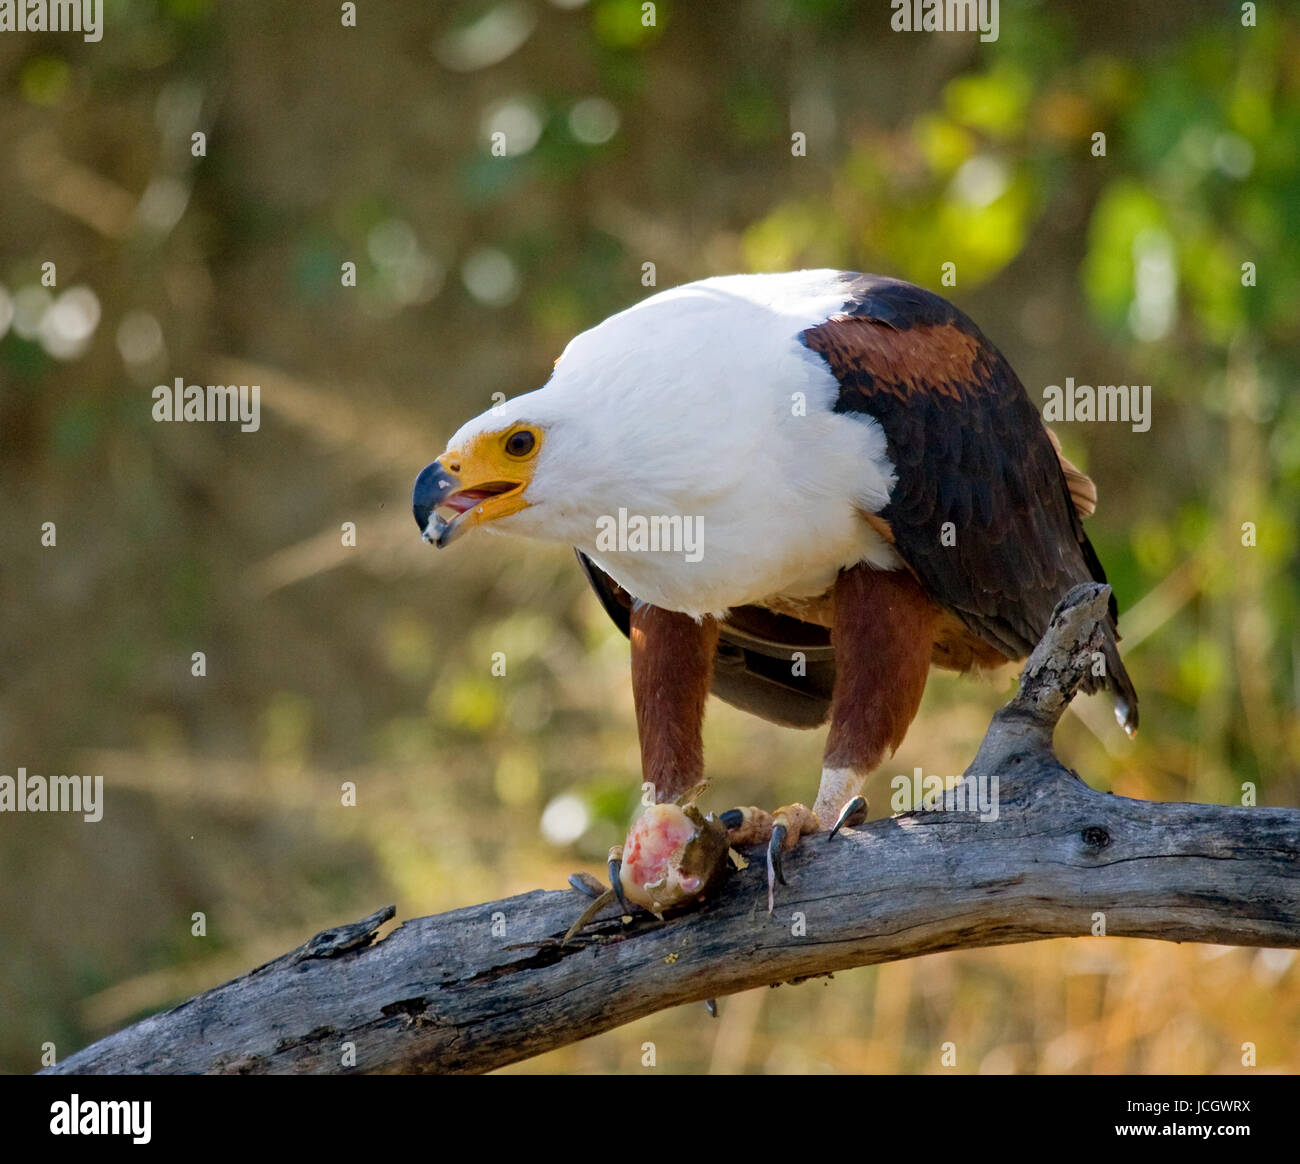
(456, 993)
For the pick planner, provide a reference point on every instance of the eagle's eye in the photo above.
(520, 443)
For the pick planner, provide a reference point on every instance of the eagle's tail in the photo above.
(1116, 678)
(1117, 682)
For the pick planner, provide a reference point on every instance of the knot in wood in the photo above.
(1096, 837)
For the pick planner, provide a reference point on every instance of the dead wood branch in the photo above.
(456, 992)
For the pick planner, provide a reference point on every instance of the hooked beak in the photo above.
(446, 507)
(433, 487)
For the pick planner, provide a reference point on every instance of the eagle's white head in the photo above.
(699, 403)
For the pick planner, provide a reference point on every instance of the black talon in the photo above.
(774, 853)
(711, 1004)
(586, 884)
(616, 883)
(856, 808)
(774, 870)
(733, 818)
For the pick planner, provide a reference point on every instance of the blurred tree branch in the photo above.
(485, 986)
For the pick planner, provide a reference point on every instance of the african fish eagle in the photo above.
(872, 493)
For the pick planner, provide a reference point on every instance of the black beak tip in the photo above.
(428, 487)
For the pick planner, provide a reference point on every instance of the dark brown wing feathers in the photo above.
(985, 513)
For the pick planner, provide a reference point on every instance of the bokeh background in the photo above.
(627, 144)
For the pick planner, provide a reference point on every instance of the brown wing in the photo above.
(1082, 491)
(983, 512)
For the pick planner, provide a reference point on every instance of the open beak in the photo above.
(433, 487)
(445, 507)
